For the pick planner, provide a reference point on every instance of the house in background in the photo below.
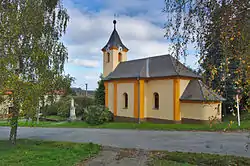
(51, 97)
(81, 92)
(5, 104)
(156, 89)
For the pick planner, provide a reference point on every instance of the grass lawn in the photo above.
(55, 117)
(40, 153)
(192, 159)
(245, 125)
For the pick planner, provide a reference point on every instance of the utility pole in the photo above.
(86, 92)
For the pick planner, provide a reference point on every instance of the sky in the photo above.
(140, 24)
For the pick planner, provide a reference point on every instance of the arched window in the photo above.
(120, 57)
(125, 97)
(108, 57)
(156, 100)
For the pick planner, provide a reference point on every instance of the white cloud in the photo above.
(89, 31)
(91, 78)
(84, 63)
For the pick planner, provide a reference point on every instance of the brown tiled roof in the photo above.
(152, 67)
(198, 91)
(7, 92)
(57, 92)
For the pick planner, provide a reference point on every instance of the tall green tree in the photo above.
(100, 92)
(225, 79)
(220, 32)
(32, 56)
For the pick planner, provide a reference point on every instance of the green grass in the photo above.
(40, 153)
(55, 117)
(245, 125)
(243, 117)
(159, 162)
(191, 159)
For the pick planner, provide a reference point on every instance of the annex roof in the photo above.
(198, 91)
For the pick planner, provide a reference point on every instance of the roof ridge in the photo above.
(141, 70)
(171, 58)
(199, 82)
(210, 90)
(147, 58)
(145, 66)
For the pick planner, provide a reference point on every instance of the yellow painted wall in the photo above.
(165, 90)
(129, 89)
(110, 66)
(47, 100)
(183, 85)
(106, 94)
(200, 111)
(111, 96)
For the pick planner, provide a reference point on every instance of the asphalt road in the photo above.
(207, 142)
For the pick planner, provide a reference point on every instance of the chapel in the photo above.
(158, 89)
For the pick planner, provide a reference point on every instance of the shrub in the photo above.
(108, 115)
(81, 103)
(63, 107)
(245, 116)
(48, 110)
(96, 115)
(51, 109)
(60, 108)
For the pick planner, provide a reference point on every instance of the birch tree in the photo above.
(220, 32)
(32, 55)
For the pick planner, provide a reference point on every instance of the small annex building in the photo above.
(157, 89)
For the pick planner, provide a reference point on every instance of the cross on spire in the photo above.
(114, 40)
(114, 22)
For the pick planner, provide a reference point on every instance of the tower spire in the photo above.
(114, 22)
(114, 52)
(114, 40)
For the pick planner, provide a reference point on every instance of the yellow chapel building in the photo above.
(158, 89)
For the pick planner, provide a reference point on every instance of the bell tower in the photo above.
(114, 52)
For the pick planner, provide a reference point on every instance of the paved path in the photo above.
(208, 142)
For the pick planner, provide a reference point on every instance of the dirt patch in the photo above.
(118, 157)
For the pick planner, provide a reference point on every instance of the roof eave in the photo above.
(196, 100)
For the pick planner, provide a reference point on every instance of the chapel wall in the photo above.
(165, 90)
